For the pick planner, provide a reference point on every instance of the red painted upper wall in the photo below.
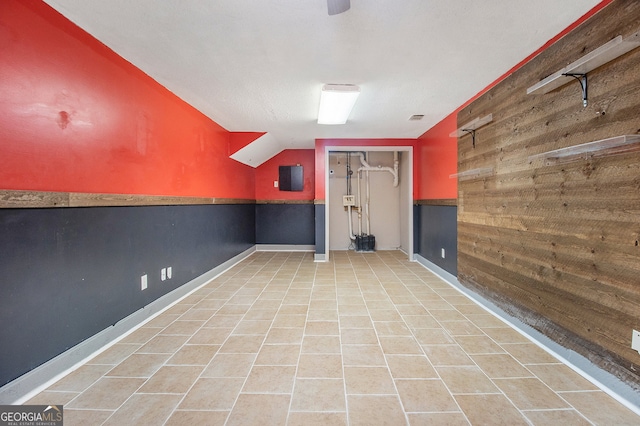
(321, 145)
(268, 172)
(438, 152)
(438, 159)
(76, 117)
(239, 140)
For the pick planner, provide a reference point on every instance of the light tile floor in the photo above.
(364, 339)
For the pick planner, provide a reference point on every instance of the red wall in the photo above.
(267, 172)
(321, 144)
(438, 156)
(239, 140)
(438, 152)
(76, 117)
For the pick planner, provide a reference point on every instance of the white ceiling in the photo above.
(258, 65)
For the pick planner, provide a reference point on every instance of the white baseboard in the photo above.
(29, 384)
(604, 380)
(320, 257)
(284, 247)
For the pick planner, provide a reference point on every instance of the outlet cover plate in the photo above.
(348, 200)
(143, 282)
(635, 340)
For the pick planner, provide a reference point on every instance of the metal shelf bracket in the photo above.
(472, 132)
(582, 79)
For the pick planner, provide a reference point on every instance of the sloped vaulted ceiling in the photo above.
(258, 65)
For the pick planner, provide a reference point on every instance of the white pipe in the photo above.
(359, 202)
(363, 161)
(393, 171)
(368, 183)
(353, 237)
(366, 167)
(349, 190)
(396, 165)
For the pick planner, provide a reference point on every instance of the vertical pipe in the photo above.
(349, 208)
(359, 204)
(367, 203)
(396, 165)
(351, 236)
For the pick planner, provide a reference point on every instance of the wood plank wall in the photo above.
(558, 245)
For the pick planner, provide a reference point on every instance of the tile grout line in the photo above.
(411, 330)
(501, 392)
(344, 377)
(248, 263)
(295, 373)
(384, 356)
(493, 380)
(266, 334)
(133, 353)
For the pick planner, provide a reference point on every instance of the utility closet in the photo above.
(368, 200)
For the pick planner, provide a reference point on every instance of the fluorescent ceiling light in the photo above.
(336, 103)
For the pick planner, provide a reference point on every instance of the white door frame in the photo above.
(359, 148)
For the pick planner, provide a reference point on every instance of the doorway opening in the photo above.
(374, 212)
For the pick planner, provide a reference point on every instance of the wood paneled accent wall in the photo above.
(558, 245)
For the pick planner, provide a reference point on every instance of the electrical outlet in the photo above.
(275, 183)
(163, 274)
(635, 340)
(442, 253)
(143, 282)
(169, 272)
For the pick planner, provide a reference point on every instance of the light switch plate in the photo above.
(635, 340)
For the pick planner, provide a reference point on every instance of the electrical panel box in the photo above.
(291, 178)
(348, 200)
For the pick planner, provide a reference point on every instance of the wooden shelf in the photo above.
(471, 126)
(600, 56)
(611, 146)
(473, 174)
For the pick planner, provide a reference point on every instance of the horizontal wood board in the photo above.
(45, 199)
(437, 202)
(559, 245)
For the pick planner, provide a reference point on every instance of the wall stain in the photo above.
(63, 119)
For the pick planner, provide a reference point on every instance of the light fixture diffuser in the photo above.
(336, 103)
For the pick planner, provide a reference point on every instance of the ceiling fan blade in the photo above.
(338, 6)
